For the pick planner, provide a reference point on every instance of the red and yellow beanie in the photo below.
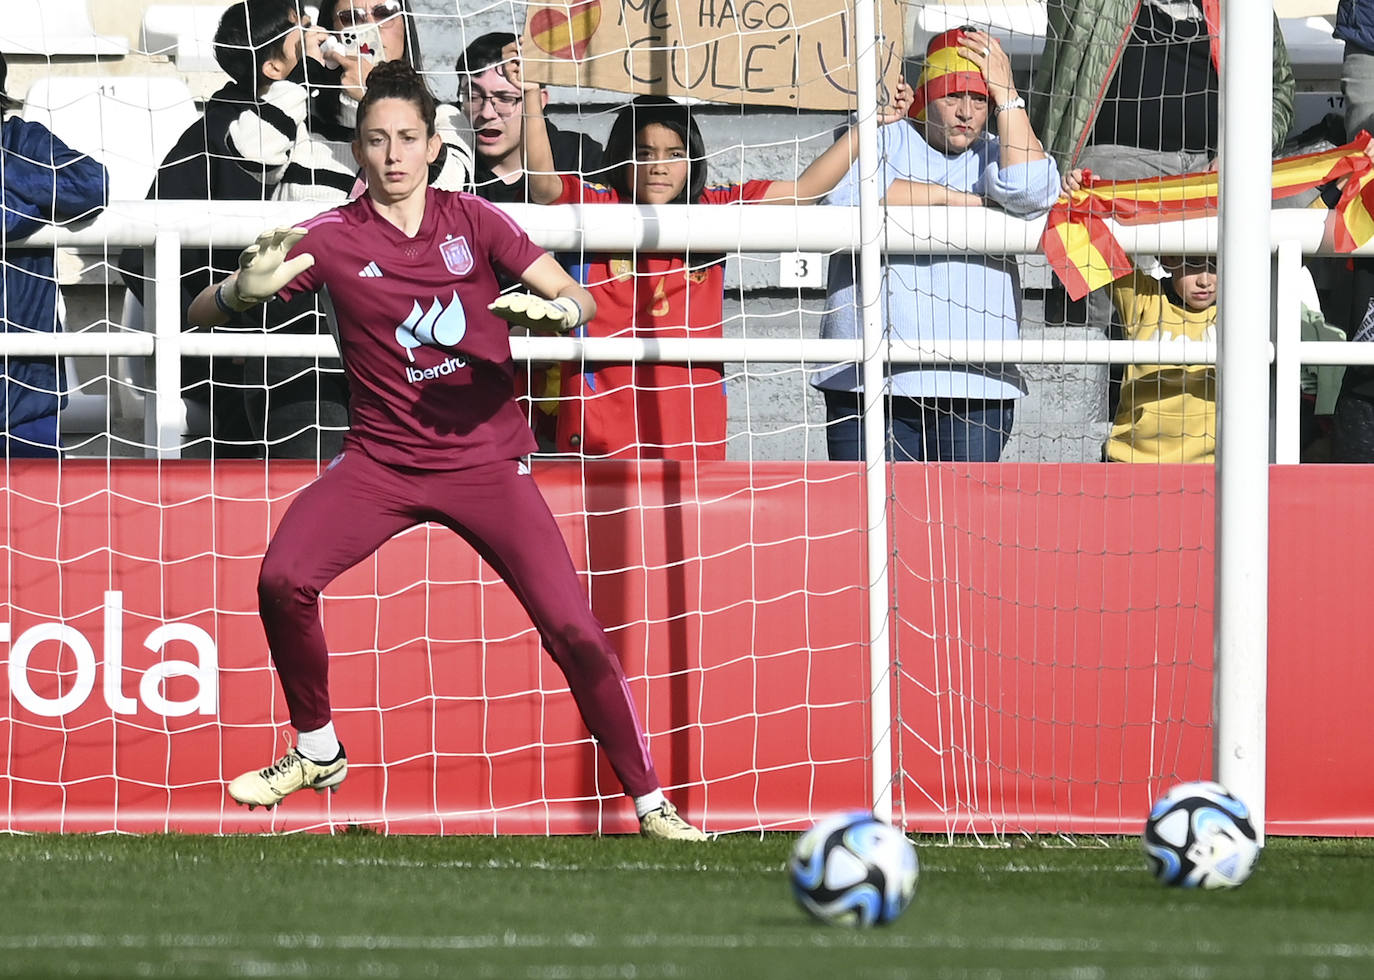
(945, 71)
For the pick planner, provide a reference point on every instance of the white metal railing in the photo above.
(167, 227)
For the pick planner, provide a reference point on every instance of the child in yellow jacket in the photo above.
(1167, 412)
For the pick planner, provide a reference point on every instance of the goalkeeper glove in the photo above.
(263, 269)
(526, 310)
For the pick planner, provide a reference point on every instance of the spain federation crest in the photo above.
(457, 255)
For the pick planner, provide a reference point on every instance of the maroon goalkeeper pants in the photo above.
(358, 503)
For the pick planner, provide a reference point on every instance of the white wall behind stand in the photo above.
(183, 32)
(114, 42)
(56, 27)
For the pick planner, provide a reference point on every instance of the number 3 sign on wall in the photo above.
(802, 270)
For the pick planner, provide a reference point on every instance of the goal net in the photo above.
(995, 634)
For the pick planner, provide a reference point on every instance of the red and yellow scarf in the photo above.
(1085, 255)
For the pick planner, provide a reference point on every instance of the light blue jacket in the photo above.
(930, 297)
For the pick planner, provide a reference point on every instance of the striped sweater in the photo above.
(297, 141)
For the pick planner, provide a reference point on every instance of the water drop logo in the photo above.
(442, 325)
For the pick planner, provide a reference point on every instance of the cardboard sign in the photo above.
(760, 52)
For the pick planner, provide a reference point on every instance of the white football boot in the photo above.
(666, 823)
(293, 771)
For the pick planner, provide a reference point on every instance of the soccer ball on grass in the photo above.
(853, 870)
(1198, 835)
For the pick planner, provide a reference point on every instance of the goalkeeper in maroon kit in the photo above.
(435, 432)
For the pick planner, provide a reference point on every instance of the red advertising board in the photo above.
(1051, 638)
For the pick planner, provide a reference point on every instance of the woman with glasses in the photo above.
(400, 42)
(495, 108)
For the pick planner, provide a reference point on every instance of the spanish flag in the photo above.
(1085, 255)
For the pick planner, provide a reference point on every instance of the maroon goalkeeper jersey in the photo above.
(429, 367)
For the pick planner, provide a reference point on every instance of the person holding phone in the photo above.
(364, 33)
(297, 136)
(387, 21)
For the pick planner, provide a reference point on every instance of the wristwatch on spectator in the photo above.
(1016, 103)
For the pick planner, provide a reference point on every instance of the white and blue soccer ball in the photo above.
(1199, 835)
(853, 870)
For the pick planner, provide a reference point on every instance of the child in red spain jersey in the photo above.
(435, 433)
(655, 155)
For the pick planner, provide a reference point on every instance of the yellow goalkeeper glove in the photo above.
(536, 313)
(263, 269)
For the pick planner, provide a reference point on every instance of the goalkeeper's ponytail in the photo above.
(397, 80)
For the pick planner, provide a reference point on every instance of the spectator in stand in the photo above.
(1355, 26)
(657, 156)
(42, 180)
(494, 107)
(1129, 89)
(297, 138)
(335, 109)
(1352, 424)
(943, 156)
(1168, 412)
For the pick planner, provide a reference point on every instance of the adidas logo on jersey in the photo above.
(370, 271)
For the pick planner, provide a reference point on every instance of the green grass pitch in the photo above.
(364, 905)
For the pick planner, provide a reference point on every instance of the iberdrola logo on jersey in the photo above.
(442, 325)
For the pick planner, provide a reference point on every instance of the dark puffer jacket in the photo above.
(1355, 23)
(43, 181)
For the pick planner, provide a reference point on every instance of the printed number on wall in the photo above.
(804, 270)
